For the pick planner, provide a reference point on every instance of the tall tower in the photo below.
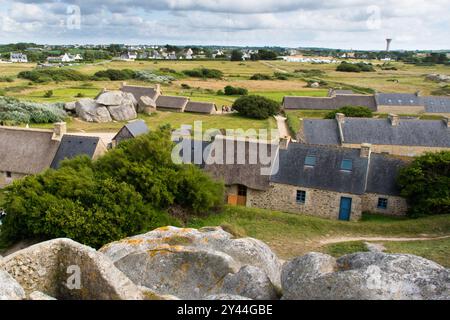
(388, 44)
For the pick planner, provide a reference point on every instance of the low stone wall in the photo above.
(320, 203)
(397, 206)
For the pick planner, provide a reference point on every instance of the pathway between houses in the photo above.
(376, 239)
(282, 127)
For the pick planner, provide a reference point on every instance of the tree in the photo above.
(236, 55)
(235, 91)
(351, 111)
(425, 183)
(256, 107)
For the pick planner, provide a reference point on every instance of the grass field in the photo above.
(293, 235)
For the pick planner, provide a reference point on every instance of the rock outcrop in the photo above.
(88, 110)
(198, 259)
(146, 105)
(438, 77)
(65, 269)
(364, 276)
(10, 289)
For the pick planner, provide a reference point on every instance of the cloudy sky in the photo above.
(346, 24)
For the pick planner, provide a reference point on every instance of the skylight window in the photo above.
(347, 165)
(310, 161)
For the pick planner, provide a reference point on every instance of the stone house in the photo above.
(31, 151)
(129, 131)
(396, 136)
(140, 91)
(201, 107)
(333, 102)
(325, 181)
(171, 103)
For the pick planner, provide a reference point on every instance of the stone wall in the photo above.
(321, 203)
(407, 151)
(397, 206)
(401, 109)
(4, 181)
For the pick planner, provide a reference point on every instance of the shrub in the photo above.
(52, 74)
(17, 112)
(260, 76)
(236, 55)
(351, 111)
(355, 67)
(80, 95)
(425, 183)
(204, 73)
(48, 94)
(185, 86)
(149, 76)
(167, 70)
(115, 74)
(235, 91)
(125, 192)
(256, 107)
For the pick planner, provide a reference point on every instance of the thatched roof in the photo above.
(249, 173)
(201, 107)
(138, 91)
(171, 102)
(26, 151)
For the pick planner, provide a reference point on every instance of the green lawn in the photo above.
(293, 235)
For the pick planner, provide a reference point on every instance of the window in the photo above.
(242, 191)
(382, 203)
(8, 174)
(301, 196)
(347, 165)
(310, 161)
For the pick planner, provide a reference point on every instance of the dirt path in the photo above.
(282, 126)
(375, 239)
(267, 64)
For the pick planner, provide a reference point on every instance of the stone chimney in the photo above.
(395, 119)
(59, 130)
(340, 117)
(124, 84)
(366, 150)
(447, 121)
(284, 142)
(418, 93)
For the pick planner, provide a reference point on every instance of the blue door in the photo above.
(345, 209)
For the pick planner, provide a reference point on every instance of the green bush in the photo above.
(204, 73)
(260, 76)
(48, 94)
(17, 112)
(52, 74)
(256, 107)
(115, 74)
(125, 192)
(426, 184)
(235, 91)
(355, 67)
(351, 111)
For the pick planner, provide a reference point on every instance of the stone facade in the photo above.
(397, 206)
(321, 203)
(406, 151)
(5, 180)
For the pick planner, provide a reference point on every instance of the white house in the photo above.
(18, 57)
(189, 54)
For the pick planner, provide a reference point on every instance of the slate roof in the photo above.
(197, 150)
(329, 103)
(26, 151)
(171, 102)
(136, 128)
(138, 91)
(326, 174)
(436, 104)
(398, 99)
(383, 172)
(73, 146)
(426, 133)
(201, 107)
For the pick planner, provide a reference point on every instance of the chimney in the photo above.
(447, 121)
(59, 130)
(284, 143)
(418, 93)
(124, 84)
(395, 119)
(366, 150)
(340, 117)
